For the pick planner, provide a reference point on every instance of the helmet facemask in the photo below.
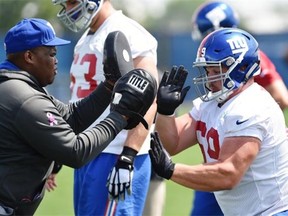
(203, 82)
(80, 16)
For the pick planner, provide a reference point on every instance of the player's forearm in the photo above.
(137, 136)
(205, 177)
(166, 127)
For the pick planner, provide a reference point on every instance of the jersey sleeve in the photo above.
(147, 49)
(253, 126)
(244, 118)
(142, 43)
(195, 111)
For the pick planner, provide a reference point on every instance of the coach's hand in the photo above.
(171, 93)
(133, 95)
(117, 58)
(120, 177)
(160, 159)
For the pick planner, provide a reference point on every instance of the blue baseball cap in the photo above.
(31, 33)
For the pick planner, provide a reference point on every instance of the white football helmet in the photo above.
(79, 17)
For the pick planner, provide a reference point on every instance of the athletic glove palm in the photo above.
(171, 93)
(120, 177)
(160, 159)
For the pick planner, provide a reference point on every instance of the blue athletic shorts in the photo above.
(205, 204)
(283, 213)
(91, 194)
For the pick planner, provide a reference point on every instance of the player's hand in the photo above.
(120, 178)
(171, 92)
(50, 184)
(160, 159)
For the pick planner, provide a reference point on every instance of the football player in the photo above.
(211, 16)
(238, 125)
(125, 160)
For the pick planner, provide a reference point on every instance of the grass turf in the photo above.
(178, 198)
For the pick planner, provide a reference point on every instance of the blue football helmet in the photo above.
(232, 48)
(79, 17)
(212, 16)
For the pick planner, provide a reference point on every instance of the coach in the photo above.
(36, 129)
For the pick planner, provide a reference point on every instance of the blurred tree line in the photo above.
(12, 11)
(177, 14)
(173, 16)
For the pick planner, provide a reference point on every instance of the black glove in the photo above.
(171, 93)
(120, 177)
(132, 96)
(117, 58)
(160, 159)
(56, 168)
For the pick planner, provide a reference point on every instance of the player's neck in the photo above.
(106, 11)
(238, 91)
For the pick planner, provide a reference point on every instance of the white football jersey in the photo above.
(264, 187)
(87, 68)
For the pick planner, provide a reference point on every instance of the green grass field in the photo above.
(178, 198)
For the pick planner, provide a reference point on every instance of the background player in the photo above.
(211, 16)
(99, 18)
